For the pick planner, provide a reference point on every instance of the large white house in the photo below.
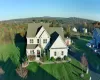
(42, 38)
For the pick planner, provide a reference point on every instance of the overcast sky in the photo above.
(12, 9)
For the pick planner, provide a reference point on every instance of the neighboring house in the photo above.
(84, 30)
(42, 38)
(68, 41)
(96, 37)
(74, 29)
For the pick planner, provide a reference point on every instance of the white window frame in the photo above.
(31, 40)
(44, 40)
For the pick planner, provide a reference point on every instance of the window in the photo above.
(37, 40)
(62, 52)
(44, 40)
(38, 53)
(31, 40)
(32, 51)
(54, 53)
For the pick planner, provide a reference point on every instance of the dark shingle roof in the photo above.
(33, 28)
(59, 30)
(32, 46)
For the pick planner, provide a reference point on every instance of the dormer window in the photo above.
(31, 41)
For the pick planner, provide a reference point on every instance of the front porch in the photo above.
(34, 56)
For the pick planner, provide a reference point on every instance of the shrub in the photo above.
(48, 56)
(69, 59)
(22, 72)
(58, 59)
(31, 57)
(44, 58)
(65, 58)
(52, 59)
(42, 54)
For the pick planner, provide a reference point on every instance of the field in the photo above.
(80, 46)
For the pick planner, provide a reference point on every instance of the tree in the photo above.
(22, 72)
(68, 30)
(84, 62)
(51, 25)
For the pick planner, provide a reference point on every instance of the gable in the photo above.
(59, 43)
(34, 28)
(42, 33)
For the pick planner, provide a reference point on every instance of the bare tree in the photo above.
(84, 63)
(22, 72)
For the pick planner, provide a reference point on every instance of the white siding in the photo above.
(59, 43)
(40, 32)
(35, 52)
(44, 36)
(58, 53)
(28, 51)
(58, 47)
(34, 40)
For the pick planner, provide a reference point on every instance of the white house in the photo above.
(74, 29)
(41, 37)
(84, 30)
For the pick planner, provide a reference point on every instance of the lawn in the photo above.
(80, 46)
(61, 71)
(10, 56)
(9, 51)
(9, 60)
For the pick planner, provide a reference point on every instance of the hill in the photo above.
(49, 19)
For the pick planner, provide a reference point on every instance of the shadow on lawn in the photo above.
(40, 74)
(77, 67)
(77, 56)
(20, 42)
(10, 73)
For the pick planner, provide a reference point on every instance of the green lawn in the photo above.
(9, 57)
(9, 51)
(62, 71)
(80, 46)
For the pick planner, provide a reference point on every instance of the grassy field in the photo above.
(80, 46)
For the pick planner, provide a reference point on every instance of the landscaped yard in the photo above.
(80, 46)
(61, 71)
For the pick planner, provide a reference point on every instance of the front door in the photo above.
(38, 53)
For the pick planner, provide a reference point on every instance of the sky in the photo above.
(13, 9)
